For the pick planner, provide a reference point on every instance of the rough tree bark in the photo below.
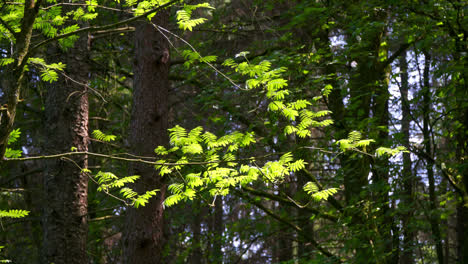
(143, 238)
(65, 186)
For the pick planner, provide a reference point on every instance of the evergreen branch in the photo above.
(99, 28)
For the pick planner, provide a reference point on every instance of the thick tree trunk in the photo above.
(143, 238)
(65, 186)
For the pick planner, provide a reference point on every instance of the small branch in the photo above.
(78, 4)
(106, 191)
(84, 85)
(444, 171)
(288, 223)
(161, 29)
(12, 190)
(115, 30)
(106, 143)
(400, 51)
(4, 182)
(102, 218)
(137, 160)
(94, 28)
(104, 33)
(289, 202)
(82, 153)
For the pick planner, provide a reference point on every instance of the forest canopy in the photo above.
(233, 131)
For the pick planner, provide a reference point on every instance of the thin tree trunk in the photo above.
(429, 164)
(462, 238)
(407, 177)
(380, 166)
(461, 154)
(197, 256)
(13, 78)
(217, 254)
(143, 238)
(65, 186)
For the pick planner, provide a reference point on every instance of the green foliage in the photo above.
(191, 57)
(12, 138)
(382, 151)
(184, 16)
(269, 81)
(316, 194)
(6, 61)
(354, 142)
(285, 100)
(68, 42)
(48, 71)
(216, 164)
(99, 135)
(13, 213)
(107, 181)
(209, 153)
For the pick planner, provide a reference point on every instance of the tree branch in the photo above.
(400, 51)
(137, 159)
(99, 28)
(290, 203)
(288, 223)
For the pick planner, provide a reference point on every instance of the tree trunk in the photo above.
(217, 254)
(429, 162)
(407, 177)
(143, 239)
(65, 186)
(13, 77)
(462, 238)
(197, 255)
